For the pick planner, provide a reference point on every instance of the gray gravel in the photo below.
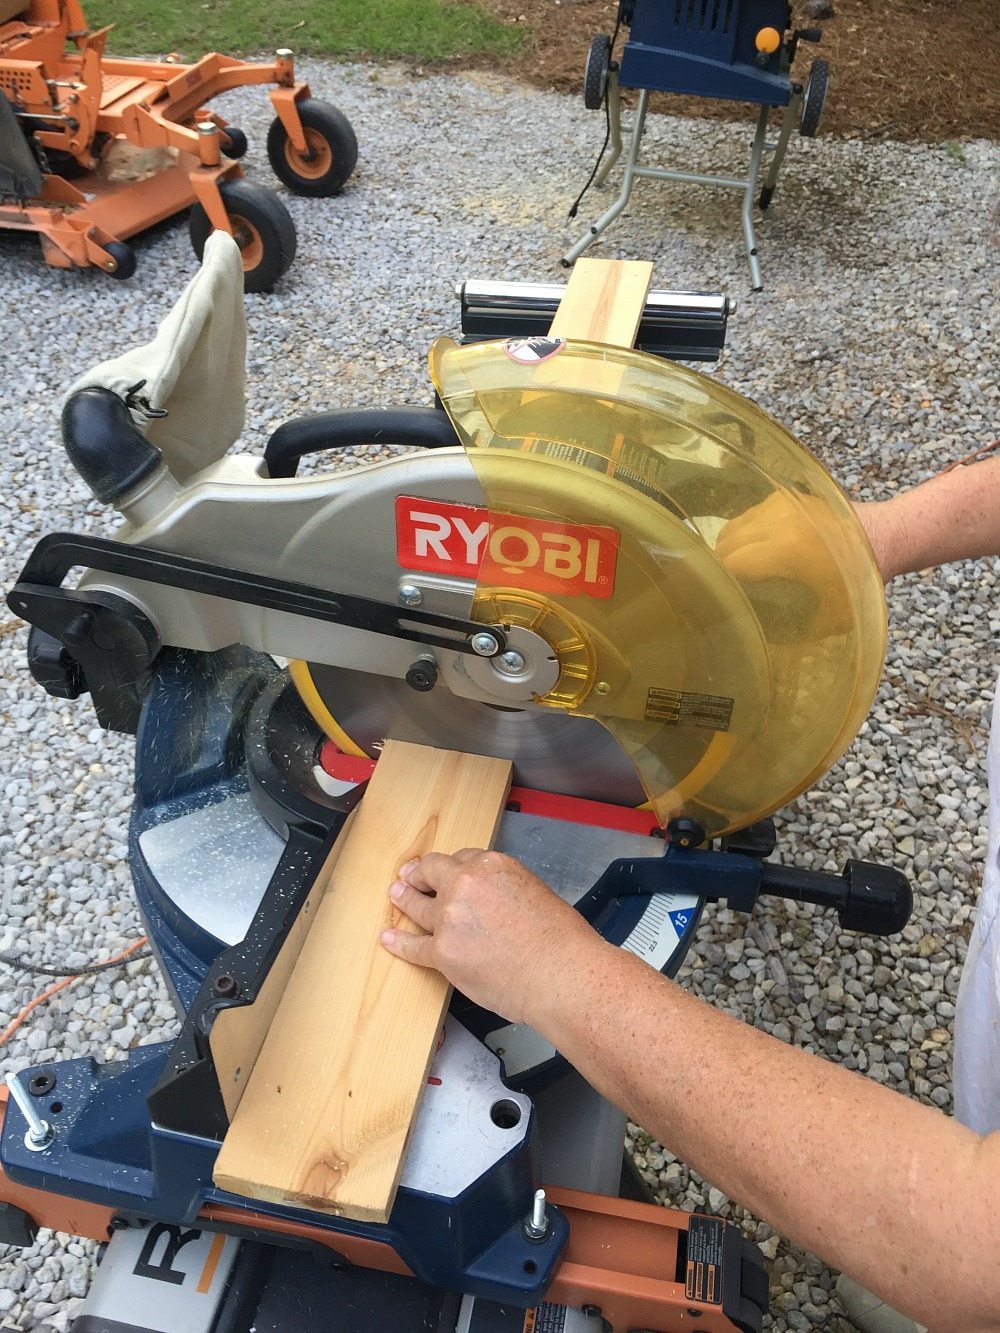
(872, 340)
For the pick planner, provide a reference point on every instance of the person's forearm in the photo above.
(955, 516)
(832, 1160)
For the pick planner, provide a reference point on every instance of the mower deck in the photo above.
(78, 109)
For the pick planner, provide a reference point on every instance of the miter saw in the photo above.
(591, 566)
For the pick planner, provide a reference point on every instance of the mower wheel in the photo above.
(814, 98)
(332, 150)
(234, 142)
(124, 257)
(595, 72)
(262, 228)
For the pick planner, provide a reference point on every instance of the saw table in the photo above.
(544, 581)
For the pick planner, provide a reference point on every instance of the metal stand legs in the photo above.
(634, 172)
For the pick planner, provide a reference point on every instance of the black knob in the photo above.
(422, 675)
(879, 899)
(56, 670)
(758, 839)
(684, 832)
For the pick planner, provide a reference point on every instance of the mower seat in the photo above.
(20, 174)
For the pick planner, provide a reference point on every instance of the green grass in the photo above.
(416, 29)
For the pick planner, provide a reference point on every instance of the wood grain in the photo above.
(238, 1033)
(325, 1116)
(604, 301)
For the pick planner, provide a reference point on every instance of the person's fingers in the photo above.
(413, 948)
(419, 907)
(432, 872)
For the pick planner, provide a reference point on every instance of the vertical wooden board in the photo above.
(604, 301)
(238, 1032)
(325, 1116)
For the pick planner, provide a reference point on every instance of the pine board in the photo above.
(604, 301)
(326, 1112)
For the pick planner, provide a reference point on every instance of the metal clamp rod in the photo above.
(39, 1132)
(544, 297)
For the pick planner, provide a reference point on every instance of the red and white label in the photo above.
(571, 559)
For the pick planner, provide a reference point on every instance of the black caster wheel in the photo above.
(331, 155)
(595, 72)
(814, 98)
(234, 142)
(262, 228)
(124, 260)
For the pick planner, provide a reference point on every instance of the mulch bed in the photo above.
(899, 69)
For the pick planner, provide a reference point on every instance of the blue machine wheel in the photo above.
(814, 98)
(595, 72)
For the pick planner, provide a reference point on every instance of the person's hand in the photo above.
(494, 929)
(787, 569)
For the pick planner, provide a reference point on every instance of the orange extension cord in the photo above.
(49, 991)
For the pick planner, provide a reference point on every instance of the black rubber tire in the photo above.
(263, 228)
(595, 72)
(335, 144)
(234, 142)
(814, 98)
(124, 257)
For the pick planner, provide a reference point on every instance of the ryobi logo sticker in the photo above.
(572, 559)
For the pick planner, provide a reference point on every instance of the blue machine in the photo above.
(733, 50)
(233, 818)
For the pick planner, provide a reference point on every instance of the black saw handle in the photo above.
(345, 428)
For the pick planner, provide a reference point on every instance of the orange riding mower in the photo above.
(94, 150)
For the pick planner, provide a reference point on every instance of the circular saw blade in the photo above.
(550, 751)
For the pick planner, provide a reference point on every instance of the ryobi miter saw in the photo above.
(592, 566)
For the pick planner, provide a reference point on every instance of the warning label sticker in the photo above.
(546, 1319)
(681, 708)
(704, 1259)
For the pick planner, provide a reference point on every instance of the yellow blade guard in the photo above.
(704, 583)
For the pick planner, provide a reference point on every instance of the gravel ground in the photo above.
(871, 341)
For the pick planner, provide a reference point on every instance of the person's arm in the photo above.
(955, 516)
(897, 1194)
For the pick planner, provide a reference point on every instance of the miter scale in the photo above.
(555, 578)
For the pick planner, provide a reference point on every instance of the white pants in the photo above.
(977, 1016)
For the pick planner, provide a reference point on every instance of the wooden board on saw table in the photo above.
(327, 1109)
(603, 301)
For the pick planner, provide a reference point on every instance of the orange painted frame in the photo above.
(621, 1256)
(151, 104)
